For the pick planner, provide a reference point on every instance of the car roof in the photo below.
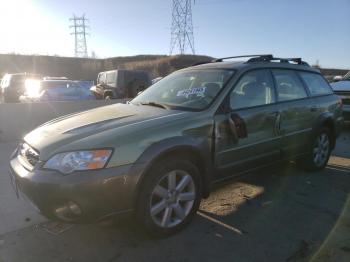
(243, 65)
(58, 81)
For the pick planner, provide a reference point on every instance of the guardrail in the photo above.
(17, 119)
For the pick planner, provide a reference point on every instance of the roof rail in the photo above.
(297, 60)
(240, 56)
(201, 63)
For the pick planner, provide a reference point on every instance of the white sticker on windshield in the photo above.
(192, 91)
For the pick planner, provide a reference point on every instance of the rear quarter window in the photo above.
(316, 84)
(111, 78)
(288, 85)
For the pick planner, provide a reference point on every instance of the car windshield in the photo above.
(186, 90)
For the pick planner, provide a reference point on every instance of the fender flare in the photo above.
(108, 91)
(200, 147)
(325, 119)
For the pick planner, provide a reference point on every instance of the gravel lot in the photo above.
(276, 214)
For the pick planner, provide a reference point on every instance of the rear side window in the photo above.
(316, 84)
(289, 85)
(111, 78)
(5, 81)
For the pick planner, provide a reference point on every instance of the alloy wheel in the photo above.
(172, 198)
(321, 149)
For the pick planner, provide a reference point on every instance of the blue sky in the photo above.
(313, 29)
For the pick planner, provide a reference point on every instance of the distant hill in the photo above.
(88, 68)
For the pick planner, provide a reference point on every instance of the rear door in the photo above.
(247, 135)
(296, 111)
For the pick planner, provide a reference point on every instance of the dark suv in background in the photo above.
(116, 84)
(157, 156)
(13, 86)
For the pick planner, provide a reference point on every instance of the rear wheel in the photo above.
(169, 197)
(320, 152)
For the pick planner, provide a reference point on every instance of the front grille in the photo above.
(345, 97)
(28, 154)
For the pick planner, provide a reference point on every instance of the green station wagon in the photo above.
(157, 156)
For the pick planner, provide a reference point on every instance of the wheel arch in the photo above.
(187, 148)
(108, 92)
(326, 120)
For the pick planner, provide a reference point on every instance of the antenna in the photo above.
(182, 28)
(79, 31)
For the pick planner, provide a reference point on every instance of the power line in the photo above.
(182, 37)
(79, 26)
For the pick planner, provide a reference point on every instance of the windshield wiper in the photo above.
(153, 104)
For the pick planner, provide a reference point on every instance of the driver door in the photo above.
(247, 135)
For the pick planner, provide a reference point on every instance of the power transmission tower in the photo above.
(79, 25)
(182, 28)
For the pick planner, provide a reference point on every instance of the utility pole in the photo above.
(79, 27)
(182, 28)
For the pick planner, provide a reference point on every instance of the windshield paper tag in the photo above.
(192, 91)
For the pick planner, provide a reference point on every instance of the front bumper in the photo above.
(346, 112)
(79, 197)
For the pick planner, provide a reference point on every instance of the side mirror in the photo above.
(237, 126)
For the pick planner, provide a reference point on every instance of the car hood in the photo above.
(71, 128)
(341, 86)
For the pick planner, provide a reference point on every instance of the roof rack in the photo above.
(259, 58)
(240, 56)
(270, 58)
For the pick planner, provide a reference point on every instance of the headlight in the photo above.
(80, 160)
(33, 87)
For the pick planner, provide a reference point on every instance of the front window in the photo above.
(253, 89)
(187, 90)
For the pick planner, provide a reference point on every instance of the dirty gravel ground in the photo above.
(276, 214)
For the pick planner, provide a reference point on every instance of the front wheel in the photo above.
(169, 197)
(320, 152)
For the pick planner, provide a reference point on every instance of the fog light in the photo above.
(74, 208)
(69, 212)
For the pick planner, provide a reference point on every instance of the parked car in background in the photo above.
(157, 156)
(56, 90)
(342, 89)
(116, 84)
(13, 86)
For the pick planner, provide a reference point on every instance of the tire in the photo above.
(320, 151)
(159, 208)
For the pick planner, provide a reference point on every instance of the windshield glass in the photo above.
(190, 89)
